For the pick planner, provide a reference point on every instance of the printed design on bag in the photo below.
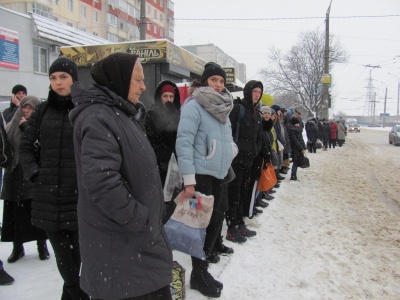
(195, 206)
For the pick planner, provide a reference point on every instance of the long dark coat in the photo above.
(296, 141)
(124, 248)
(161, 127)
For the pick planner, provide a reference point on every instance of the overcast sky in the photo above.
(373, 41)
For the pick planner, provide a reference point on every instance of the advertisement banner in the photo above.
(9, 49)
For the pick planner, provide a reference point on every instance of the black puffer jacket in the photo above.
(161, 126)
(250, 132)
(54, 174)
(312, 131)
(124, 248)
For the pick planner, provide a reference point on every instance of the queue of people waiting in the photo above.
(89, 167)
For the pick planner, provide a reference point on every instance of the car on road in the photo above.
(394, 135)
(353, 128)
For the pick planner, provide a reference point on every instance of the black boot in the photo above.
(293, 177)
(278, 176)
(203, 281)
(213, 257)
(42, 250)
(74, 292)
(221, 248)
(17, 253)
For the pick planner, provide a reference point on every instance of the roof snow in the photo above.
(64, 34)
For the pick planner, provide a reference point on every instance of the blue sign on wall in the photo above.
(9, 49)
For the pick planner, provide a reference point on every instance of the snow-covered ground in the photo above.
(333, 235)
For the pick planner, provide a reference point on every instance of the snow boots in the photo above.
(203, 281)
(42, 250)
(17, 253)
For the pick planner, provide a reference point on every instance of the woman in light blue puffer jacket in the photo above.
(205, 150)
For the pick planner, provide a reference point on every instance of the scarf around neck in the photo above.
(219, 105)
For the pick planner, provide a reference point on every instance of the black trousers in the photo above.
(65, 245)
(237, 193)
(210, 185)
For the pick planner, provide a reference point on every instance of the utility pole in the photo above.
(143, 20)
(384, 109)
(326, 80)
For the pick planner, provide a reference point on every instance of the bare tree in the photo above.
(299, 72)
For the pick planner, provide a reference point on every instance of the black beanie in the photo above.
(63, 64)
(276, 107)
(295, 121)
(115, 72)
(19, 88)
(211, 69)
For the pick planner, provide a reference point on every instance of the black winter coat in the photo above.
(250, 132)
(55, 192)
(9, 112)
(312, 132)
(161, 127)
(124, 248)
(296, 141)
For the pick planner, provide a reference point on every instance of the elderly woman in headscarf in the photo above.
(17, 192)
(124, 248)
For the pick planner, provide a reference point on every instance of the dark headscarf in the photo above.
(115, 72)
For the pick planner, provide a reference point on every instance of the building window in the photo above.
(161, 17)
(112, 38)
(148, 26)
(83, 11)
(42, 10)
(155, 1)
(95, 34)
(70, 24)
(112, 20)
(70, 5)
(83, 29)
(95, 16)
(148, 9)
(40, 59)
(155, 14)
(161, 3)
(155, 29)
(161, 32)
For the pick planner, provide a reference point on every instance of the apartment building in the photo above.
(114, 20)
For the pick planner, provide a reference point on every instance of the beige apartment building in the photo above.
(114, 20)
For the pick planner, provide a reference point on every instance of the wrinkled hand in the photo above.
(189, 191)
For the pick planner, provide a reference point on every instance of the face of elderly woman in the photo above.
(136, 86)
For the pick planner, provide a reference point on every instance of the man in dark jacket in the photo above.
(247, 134)
(19, 92)
(124, 248)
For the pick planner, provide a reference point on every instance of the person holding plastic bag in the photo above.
(205, 151)
(161, 124)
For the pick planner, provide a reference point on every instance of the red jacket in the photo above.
(334, 129)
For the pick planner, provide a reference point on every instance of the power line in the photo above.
(277, 19)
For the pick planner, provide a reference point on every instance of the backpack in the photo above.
(5, 147)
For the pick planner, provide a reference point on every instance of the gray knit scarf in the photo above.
(218, 105)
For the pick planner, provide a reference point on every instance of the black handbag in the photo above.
(303, 161)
